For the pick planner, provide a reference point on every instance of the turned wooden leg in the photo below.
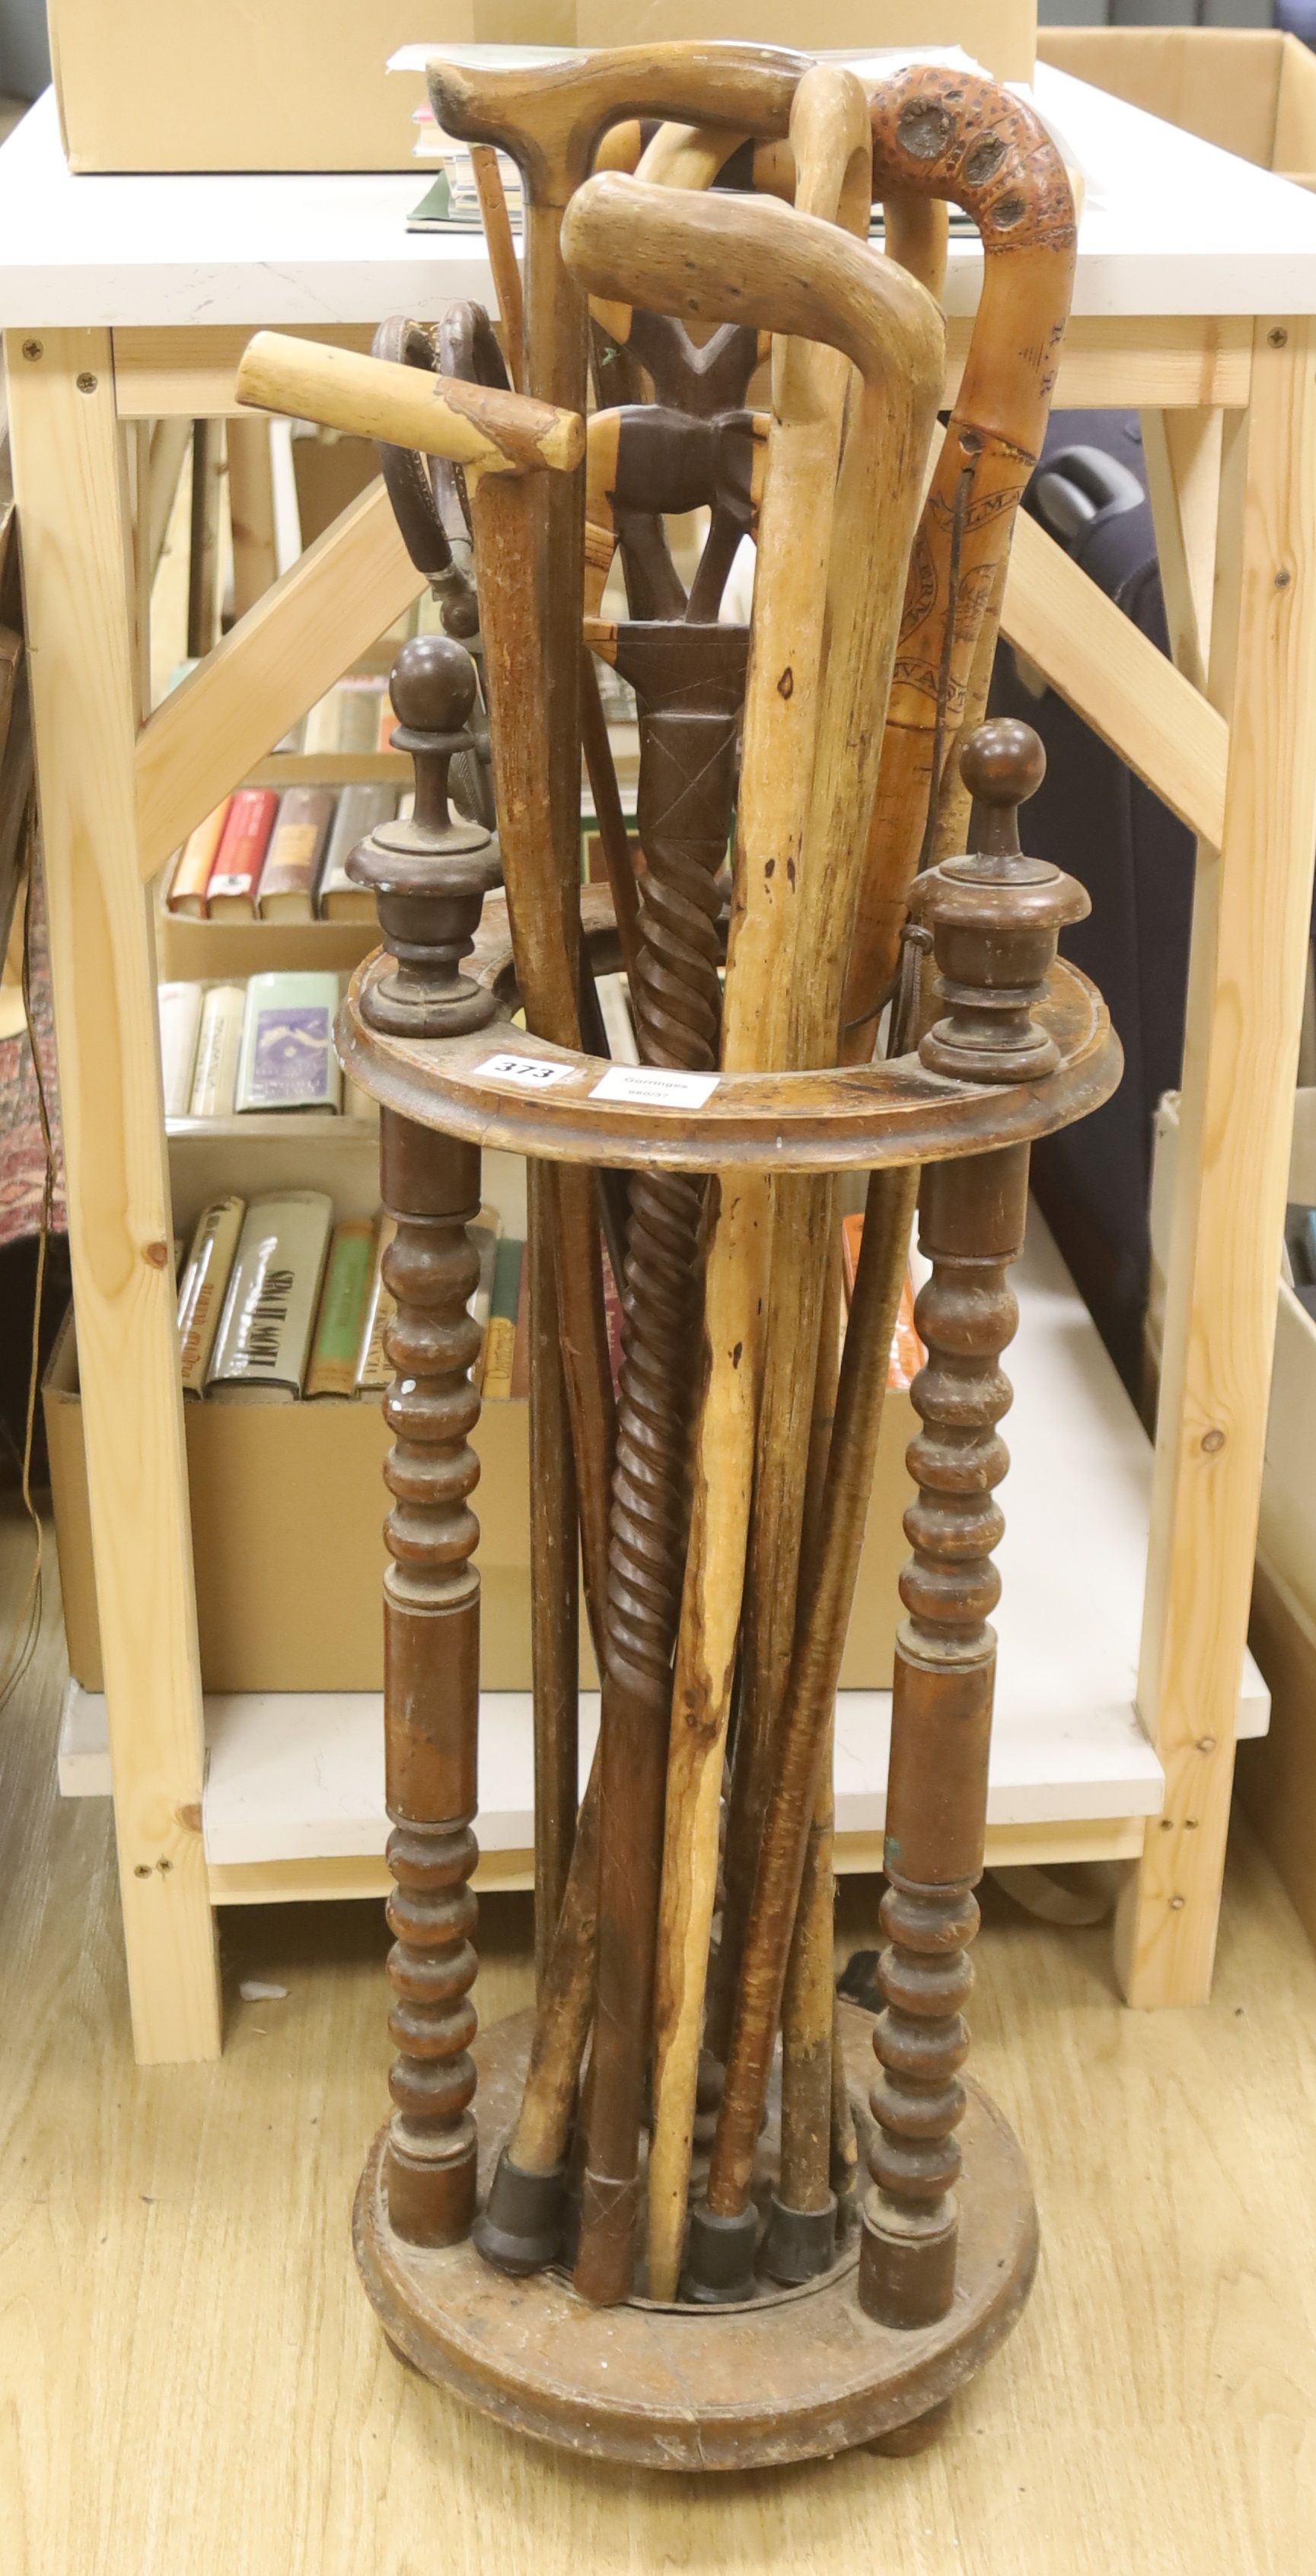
(971, 1225)
(431, 1185)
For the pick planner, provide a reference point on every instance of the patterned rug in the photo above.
(22, 1152)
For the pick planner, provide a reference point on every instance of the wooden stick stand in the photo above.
(928, 2276)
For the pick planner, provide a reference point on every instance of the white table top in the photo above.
(1170, 225)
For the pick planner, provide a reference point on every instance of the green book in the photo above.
(342, 1308)
(500, 1339)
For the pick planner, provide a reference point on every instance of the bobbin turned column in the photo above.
(429, 876)
(994, 916)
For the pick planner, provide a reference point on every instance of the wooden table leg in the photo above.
(76, 554)
(1240, 1060)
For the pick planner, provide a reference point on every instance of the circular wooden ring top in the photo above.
(791, 2379)
(500, 1087)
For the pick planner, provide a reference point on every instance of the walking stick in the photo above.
(772, 269)
(688, 675)
(956, 135)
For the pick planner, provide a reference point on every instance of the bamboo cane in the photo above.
(502, 258)
(805, 276)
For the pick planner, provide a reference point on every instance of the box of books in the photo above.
(283, 1309)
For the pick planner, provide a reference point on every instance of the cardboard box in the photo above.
(301, 84)
(1248, 90)
(287, 1500)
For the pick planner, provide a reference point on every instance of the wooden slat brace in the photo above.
(291, 646)
(1096, 659)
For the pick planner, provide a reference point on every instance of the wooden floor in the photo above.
(191, 2383)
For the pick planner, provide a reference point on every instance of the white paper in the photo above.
(528, 1072)
(655, 1086)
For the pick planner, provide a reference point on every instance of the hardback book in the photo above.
(179, 1006)
(520, 1386)
(195, 863)
(264, 1339)
(484, 1233)
(359, 810)
(292, 862)
(287, 1061)
(337, 1336)
(500, 1333)
(346, 718)
(203, 1285)
(214, 1080)
(619, 1027)
(231, 894)
(374, 1370)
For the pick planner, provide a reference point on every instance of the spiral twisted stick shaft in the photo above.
(688, 683)
(687, 779)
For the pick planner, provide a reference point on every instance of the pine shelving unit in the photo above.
(1195, 302)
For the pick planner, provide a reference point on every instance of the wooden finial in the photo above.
(995, 916)
(430, 874)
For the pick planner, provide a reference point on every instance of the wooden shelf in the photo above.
(294, 1796)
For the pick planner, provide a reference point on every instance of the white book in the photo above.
(619, 1027)
(203, 1286)
(214, 1081)
(287, 1060)
(180, 1021)
(264, 1339)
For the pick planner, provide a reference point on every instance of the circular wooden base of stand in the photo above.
(794, 2377)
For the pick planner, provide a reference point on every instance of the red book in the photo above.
(907, 1353)
(231, 891)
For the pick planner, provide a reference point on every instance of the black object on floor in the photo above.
(857, 1982)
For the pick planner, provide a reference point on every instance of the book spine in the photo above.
(180, 1021)
(337, 1335)
(202, 1288)
(241, 853)
(214, 1080)
(358, 811)
(500, 1339)
(287, 1059)
(374, 1370)
(520, 1386)
(264, 1337)
(195, 863)
(292, 863)
(619, 1027)
(484, 1235)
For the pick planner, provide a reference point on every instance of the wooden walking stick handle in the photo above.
(750, 260)
(478, 427)
(553, 118)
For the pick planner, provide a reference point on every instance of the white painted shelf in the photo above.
(297, 1779)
